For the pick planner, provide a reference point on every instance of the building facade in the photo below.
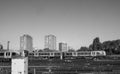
(26, 43)
(19, 65)
(50, 42)
(63, 47)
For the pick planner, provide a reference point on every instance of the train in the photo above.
(54, 54)
(12, 54)
(7, 54)
(58, 54)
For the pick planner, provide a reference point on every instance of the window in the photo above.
(7, 53)
(69, 54)
(57, 54)
(2, 54)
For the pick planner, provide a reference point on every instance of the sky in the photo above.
(75, 22)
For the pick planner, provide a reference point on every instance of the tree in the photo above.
(83, 49)
(40, 50)
(46, 49)
(112, 47)
(96, 45)
(71, 50)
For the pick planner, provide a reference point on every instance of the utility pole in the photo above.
(34, 71)
(8, 45)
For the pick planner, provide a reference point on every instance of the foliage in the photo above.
(83, 49)
(96, 45)
(111, 47)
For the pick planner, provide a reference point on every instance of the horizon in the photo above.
(57, 44)
(76, 22)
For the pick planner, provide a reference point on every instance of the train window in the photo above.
(7, 53)
(93, 53)
(41, 53)
(97, 53)
(2, 54)
(80, 53)
(74, 53)
(51, 53)
(86, 53)
(48, 53)
(68, 53)
(44, 53)
(13, 54)
(89, 53)
(57, 54)
(31, 54)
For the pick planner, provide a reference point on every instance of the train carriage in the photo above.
(1, 54)
(68, 54)
(98, 53)
(84, 53)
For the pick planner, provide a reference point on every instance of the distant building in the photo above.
(63, 47)
(50, 42)
(26, 43)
